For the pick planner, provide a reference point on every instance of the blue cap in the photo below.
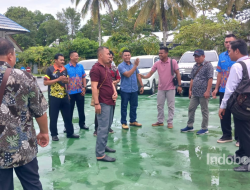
(199, 52)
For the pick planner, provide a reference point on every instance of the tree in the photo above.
(172, 9)
(49, 31)
(230, 7)
(206, 34)
(206, 5)
(71, 18)
(95, 6)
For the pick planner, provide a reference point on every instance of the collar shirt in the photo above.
(200, 81)
(128, 84)
(234, 79)
(76, 74)
(22, 100)
(224, 66)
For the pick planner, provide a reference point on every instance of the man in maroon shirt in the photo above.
(115, 75)
(104, 104)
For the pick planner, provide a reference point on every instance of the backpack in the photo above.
(239, 101)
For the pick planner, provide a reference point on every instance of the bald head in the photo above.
(103, 55)
(6, 47)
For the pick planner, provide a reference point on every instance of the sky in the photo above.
(45, 6)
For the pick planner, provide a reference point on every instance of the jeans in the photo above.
(55, 105)
(104, 123)
(79, 100)
(27, 174)
(194, 102)
(132, 99)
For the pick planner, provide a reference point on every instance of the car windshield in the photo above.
(144, 62)
(189, 58)
(88, 64)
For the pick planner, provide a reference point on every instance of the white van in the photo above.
(87, 65)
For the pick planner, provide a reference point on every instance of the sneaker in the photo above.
(170, 125)
(187, 129)
(95, 133)
(202, 132)
(55, 138)
(125, 126)
(111, 131)
(224, 139)
(237, 144)
(157, 124)
(135, 124)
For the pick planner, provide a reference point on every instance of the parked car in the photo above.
(187, 62)
(87, 65)
(145, 65)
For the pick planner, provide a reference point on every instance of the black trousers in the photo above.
(27, 174)
(226, 123)
(243, 129)
(79, 100)
(96, 122)
(55, 105)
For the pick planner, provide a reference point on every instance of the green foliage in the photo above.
(206, 34)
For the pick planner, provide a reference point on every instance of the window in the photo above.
(144, 62)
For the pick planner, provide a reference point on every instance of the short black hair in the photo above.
(100, 49)
(164, 48)
(126, 50)
(231, 36)
(6, 47)
(241, 45)
(71, 53)
(111, 52)
(58, 55)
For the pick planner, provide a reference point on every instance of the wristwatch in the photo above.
(179, 86)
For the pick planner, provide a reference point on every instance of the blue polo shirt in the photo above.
(76, 74)
(128, 84)
(224, 66)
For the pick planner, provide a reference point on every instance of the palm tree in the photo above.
(165, 10)
(95, 6)
(232, 6)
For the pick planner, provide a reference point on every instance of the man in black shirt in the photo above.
(56, 78)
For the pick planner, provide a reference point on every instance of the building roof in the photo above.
(10, 26)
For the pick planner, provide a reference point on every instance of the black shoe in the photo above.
(55, 138)
(84, 127)
(242, 168)
(74, 136)
(225, 139)
(64, 130)
(95, 133)
(106, 159)
(107, 149)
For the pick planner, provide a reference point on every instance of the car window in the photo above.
(144, 62)
(189, 58)
(88, 64)
(156, 59)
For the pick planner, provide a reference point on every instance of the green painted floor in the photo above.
(147, 158)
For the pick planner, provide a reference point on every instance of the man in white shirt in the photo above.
(238, 52)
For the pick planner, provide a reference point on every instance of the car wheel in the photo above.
(152, 90)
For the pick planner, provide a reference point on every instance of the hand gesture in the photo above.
(179, 89)
(83, 91)
(141, 90)
(114, 97)
(214, 93)
(42, 139)
(137, 61)
(221, 113)
(207, 95)
(190, 94)
(142, 76)
(98, 109)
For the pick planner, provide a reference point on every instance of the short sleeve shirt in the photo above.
(165, 75)
(57, 89)
(224, 66)
(128, 84)
(22, 100)
(200, 81)
(76, 74)
(102, 75)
